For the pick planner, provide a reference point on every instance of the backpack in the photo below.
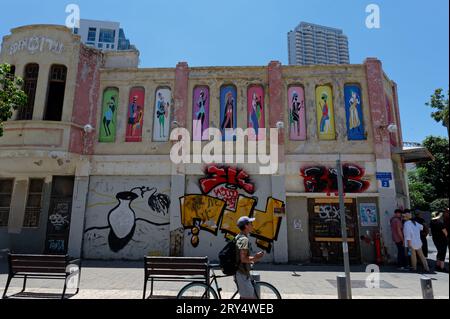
(227, 258)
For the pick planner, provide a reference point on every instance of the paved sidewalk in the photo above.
(124, 280)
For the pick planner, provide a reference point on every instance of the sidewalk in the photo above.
(124, 280)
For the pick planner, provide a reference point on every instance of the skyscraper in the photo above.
(312, 44)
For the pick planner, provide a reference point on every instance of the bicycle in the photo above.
(200, 290)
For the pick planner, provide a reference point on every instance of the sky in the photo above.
(412, 41)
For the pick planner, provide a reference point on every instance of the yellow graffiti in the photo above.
(244, 207)
(205, 210)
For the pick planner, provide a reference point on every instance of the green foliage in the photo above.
(439, 204)
(439, 102)
(11, 94)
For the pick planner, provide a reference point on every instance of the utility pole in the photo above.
(343, 228)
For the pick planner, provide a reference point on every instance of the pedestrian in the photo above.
(440, 239)
(245, 260)
(411, 232)
(424, 233)
(397, 237)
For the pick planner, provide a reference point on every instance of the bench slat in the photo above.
(170, 272)
(38, 263)
(33, 269)
(39, 257)
(176, 260)
(177, 266)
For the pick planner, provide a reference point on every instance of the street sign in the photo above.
(385, 178)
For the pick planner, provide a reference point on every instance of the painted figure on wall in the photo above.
(228, 97)
(109, 112)
(325, 113)
(162, 115)
(255, 106)
(200, 110)
(135, 116)
(354, 114)
(297, 118)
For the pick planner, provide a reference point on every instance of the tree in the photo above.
(429, 181)
(11, 94)
(439, 102)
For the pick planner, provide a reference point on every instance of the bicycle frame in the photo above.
(219, 289)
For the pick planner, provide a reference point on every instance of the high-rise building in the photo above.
(103, 35)
(314, 44)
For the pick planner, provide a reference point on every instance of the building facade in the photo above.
(98, 181)
(310, 44)
(103, 35)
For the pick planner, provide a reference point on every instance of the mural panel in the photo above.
(354, 112)
(109, 116)
(200, 113)
(255, 111)
(135, 117)
(325, 113)
(297, 114)
(228, 116)
(161, 125)
(321, 179)
(127, 217)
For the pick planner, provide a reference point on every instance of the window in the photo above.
(55, 95)
(92, 34)
(112, 46)
(92, 44)
(76, 30)
(100, 45)
(29, 86)
(6, 187)
(34, 203)
(107, 35)
(12, 71)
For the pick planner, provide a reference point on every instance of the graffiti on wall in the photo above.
(325, 112)
(222, 203)
(200, 113)
(135, 116)
(320, 179)
(228, 116)
(354, 113)
(122, 220)
(255, 112)
(107, 132)
(161, 124)
(297, 116)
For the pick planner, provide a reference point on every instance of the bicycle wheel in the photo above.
(197, 290)
(266, 290)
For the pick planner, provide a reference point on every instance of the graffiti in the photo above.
(329, 213)
(36, 44)
(135, 116)
(56, 246)
(297, 118)
(122, 218)
(319, 179)
(255, 109)
(58, 221)
(203, 212)
(200, 113)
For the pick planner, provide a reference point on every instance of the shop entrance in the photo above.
(325, 230)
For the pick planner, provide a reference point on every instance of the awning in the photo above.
(415, 154)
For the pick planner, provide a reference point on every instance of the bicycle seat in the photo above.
(215, 266)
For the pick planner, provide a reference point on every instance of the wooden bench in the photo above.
(42, 267)
(187, 269)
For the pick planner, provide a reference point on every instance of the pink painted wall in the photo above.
(85, 102)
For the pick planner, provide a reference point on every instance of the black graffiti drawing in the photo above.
(122, 218)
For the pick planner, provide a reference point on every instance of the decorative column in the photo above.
(276, 114)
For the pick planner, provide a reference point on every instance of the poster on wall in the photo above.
(161, 123)
(255, 112)
(325, 113)
(297, 114)
(135, 117)
(368, 214)
(200, 113)
(354, 113)
(228, 116)
(109, 113)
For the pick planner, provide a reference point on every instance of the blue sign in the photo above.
(384, 176)
(385, 183)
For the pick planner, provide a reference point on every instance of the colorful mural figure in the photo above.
(135, 116)
(221, 205)
(161, 124)
(325, 113)
(297, 116)
(354, 112)
(255, 107)
(200, 116)
(228, 116)
(122, 220)
(320, 179)
(109, 113)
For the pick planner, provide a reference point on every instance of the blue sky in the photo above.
(412, 41)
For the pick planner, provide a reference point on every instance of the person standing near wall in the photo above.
(411, 231)
(424, 233)
(397, 237)
(440, 239)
